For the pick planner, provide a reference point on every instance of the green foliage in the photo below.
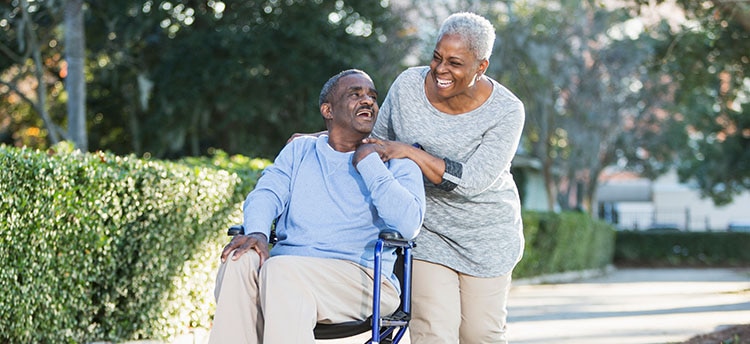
(102, 247)
(246, 168)
(701, 68)
(580, 80)
(29, 53)
(695, 249)
(172, 78)
(564, 242)
(241, 78)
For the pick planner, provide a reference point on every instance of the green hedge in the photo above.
(99, 247)
(693, 249)
(564, 242)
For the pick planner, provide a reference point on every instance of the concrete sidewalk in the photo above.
(624, 306)
(638, 306)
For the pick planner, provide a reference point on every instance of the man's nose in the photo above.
(368, 99)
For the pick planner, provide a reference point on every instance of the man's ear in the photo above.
(325, 111)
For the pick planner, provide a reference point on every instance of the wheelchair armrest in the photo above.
(393, 238)
(236, 230)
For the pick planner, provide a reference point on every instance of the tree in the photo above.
(579, 77)
(29, 60)
(700, 67)
(31, 56)
(180, 77)
(75, 83)
(174, 78)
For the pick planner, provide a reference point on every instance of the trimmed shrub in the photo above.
(564, 242)
(688, 249)
(99, 247)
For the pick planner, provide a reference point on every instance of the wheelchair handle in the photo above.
(393, 238)
(236, 230)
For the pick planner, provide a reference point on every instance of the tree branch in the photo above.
(737, 10)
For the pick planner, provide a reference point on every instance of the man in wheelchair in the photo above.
(330, 196)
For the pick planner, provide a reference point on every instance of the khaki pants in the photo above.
(281, 303)
(451, 307)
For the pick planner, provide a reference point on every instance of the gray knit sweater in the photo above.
(473, 219)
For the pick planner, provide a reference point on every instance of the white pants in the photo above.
(450, 307)
(281, 303)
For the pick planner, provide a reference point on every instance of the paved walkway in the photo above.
(625, 306)
(638, 306)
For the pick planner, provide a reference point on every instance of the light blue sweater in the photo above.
(326, 209)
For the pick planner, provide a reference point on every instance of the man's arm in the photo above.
(262, 206)
(397, 191)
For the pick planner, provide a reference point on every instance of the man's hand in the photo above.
(432, 167)
(241, 244)
(363, 151)
(389, 149)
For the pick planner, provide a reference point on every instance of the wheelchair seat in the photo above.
(387, 329)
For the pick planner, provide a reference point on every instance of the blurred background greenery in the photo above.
(646, 85)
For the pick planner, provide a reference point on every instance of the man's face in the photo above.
(354, 104)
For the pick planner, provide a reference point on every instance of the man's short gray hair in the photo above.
(330, 85)
(474, 29)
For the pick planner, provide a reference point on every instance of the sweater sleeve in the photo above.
(492, 157)
(397, 192)
(271, 194)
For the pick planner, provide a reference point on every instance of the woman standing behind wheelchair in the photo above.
(462, 128)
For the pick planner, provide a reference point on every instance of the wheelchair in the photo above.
(386, 329)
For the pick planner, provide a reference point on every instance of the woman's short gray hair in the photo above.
(475, 29)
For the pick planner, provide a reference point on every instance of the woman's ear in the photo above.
(483, 67)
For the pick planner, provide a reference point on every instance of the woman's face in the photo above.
(453, 69)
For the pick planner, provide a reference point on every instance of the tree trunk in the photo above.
(75, 83)
(41, 91)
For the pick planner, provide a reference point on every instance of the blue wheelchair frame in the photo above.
(389, 328)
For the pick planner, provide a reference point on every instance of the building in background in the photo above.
(633, 203)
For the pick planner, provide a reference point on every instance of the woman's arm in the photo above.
(432, 167)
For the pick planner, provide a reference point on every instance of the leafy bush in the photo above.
(695, 249)
(564, 242)
(101, 247)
